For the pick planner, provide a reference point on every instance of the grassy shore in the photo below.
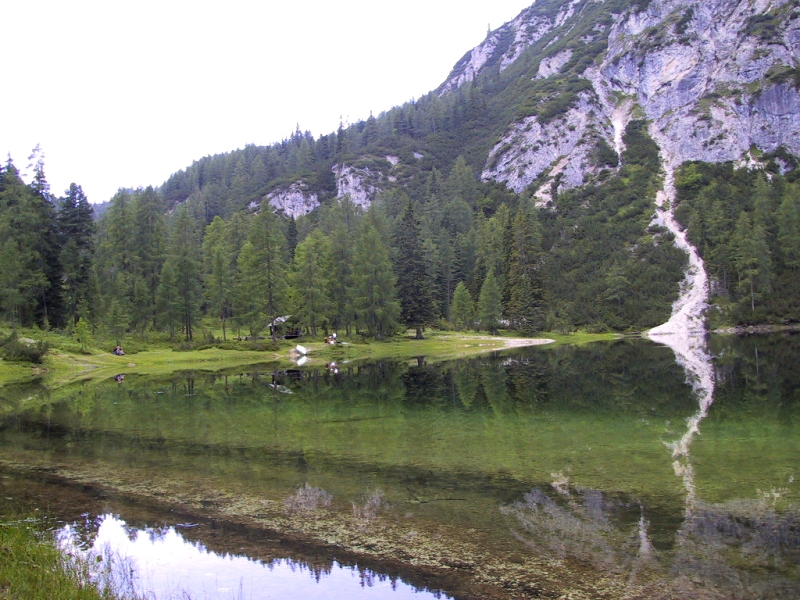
(68, 360)
(32, 568)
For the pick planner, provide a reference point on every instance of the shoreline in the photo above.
(61, 366)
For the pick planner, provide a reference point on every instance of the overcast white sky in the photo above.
(122, 94)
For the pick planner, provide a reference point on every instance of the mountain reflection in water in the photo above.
(160, 564)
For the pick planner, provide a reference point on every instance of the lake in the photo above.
(533, 472)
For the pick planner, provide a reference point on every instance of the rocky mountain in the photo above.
(552, 92)
(595, 109)
(717, 81)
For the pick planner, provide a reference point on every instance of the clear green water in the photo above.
(535, 471)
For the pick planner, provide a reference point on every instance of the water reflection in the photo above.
(160, 564)
(494, 471)
(740, 548)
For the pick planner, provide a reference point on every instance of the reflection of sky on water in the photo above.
(162, 565)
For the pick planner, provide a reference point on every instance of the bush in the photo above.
(32, 352)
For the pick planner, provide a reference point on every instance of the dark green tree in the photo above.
(342, 229)
(150, 242)
(50, 306)
(76, 230)
(789, 230)
(20, 276)
(414, 284)
(752, 259)
(526, 298)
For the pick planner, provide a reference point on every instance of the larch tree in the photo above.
(462, 309)
(261, 291)
(219, 274)
(343, 233)
(490, 305)
(183, 258)
(310, 280)
(374, 297)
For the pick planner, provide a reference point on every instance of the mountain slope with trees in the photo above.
(521, 191)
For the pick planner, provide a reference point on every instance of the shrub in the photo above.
(15, 349)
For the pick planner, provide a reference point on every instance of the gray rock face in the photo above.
(706, 91)
(505, 44)
(294, 200)
(361, 184)
(553, 64)
(711, 83)
(561, 147)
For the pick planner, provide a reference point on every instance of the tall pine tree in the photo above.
(76, 230)
(526, 302)
(414, 284)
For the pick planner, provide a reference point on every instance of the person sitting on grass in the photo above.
(118, 351)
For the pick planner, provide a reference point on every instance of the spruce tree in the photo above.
(526, 303)
(491, 241)
(149, 240)
(116, 255)
(50, 308)
(291, 237)
(20, 275)
(414, 285)
(117, 318)
(789, 230)
(751, 258)
(76, 230)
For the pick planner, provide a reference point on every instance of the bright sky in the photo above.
(124, 93)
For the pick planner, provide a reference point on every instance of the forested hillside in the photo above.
(520, 194)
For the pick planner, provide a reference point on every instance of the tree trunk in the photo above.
(419, 333)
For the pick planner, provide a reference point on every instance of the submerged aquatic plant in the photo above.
(367, 513)
(307, 498)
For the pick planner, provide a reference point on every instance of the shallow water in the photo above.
(531, 472)
(161, 563)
